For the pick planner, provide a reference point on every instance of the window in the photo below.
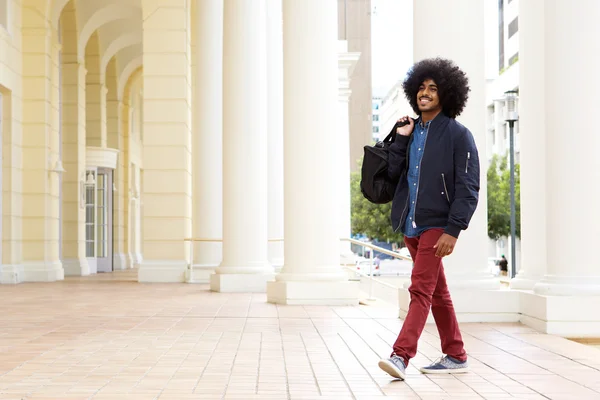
(101, 215)
(513, 27)
(376, 118)
(90, 213)
(513, 59)
(501, 35)
(375, 129)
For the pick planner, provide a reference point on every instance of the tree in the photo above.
(498, 186)
(372, 220)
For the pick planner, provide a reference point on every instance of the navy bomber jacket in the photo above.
(448, 188)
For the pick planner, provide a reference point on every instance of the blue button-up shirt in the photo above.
(415, 154)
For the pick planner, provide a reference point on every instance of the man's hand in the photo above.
(406, 130)
(445, 245)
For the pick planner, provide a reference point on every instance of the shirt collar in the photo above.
(424, 125)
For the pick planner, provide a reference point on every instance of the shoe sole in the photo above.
(391, 369)
(444, 371)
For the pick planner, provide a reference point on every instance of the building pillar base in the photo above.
(524, 282)
(162, 271)
(120, 262)
(42, 271)
(322, 293)
(240, 283)
(135, 260)
(76, 267)
(567, 316)
(200, 273)
(500, 305)
(11, 274)
(557, 285)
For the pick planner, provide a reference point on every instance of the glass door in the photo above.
(90, 219)
(104, 220)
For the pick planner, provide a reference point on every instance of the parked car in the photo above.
(365, 267)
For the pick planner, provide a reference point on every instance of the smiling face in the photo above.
(428, 98)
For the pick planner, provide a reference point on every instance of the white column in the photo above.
(245, 267)
(312, 273)
(467, 267)
(533, 138)
(346, 63)
(573, 166)
(275, 129)
(207, 138)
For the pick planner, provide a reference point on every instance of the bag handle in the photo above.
(392, 135)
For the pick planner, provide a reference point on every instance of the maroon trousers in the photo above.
(428, 290)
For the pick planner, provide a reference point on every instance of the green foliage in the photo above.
(372, 220)
(498, 197)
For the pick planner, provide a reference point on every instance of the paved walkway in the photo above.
(108, 337)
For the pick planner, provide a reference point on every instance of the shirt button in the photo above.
(414, 202)
(417, 167)
(419, 149)
(414, 184)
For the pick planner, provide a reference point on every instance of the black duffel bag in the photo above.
(375, 184)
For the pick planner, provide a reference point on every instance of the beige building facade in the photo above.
(131, 139)
(208, 141)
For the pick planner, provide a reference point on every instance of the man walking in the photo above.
(435, 162)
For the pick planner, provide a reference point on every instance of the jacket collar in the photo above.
(438, 118)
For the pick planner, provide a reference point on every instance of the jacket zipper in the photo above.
(402, 215)
(414, 222)
(445, 188)
(468, 158)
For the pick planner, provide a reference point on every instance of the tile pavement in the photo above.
(108, 337)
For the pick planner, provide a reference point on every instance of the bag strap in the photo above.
(391, 136)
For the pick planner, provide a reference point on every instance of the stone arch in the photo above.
(92, 59)
(112, 105)
(55, 9)
(126, 40)
(104, 15)
(38, 14)
(68, 32)
(95, 95)
(130, 71)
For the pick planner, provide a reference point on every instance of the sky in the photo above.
(391, 39)
(392, 47)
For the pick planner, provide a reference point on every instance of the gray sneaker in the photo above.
(446, 365)
(393, 366)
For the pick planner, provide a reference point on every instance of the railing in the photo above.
(373, 250)
(364, 245)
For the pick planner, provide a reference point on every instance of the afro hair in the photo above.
(452, 83)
